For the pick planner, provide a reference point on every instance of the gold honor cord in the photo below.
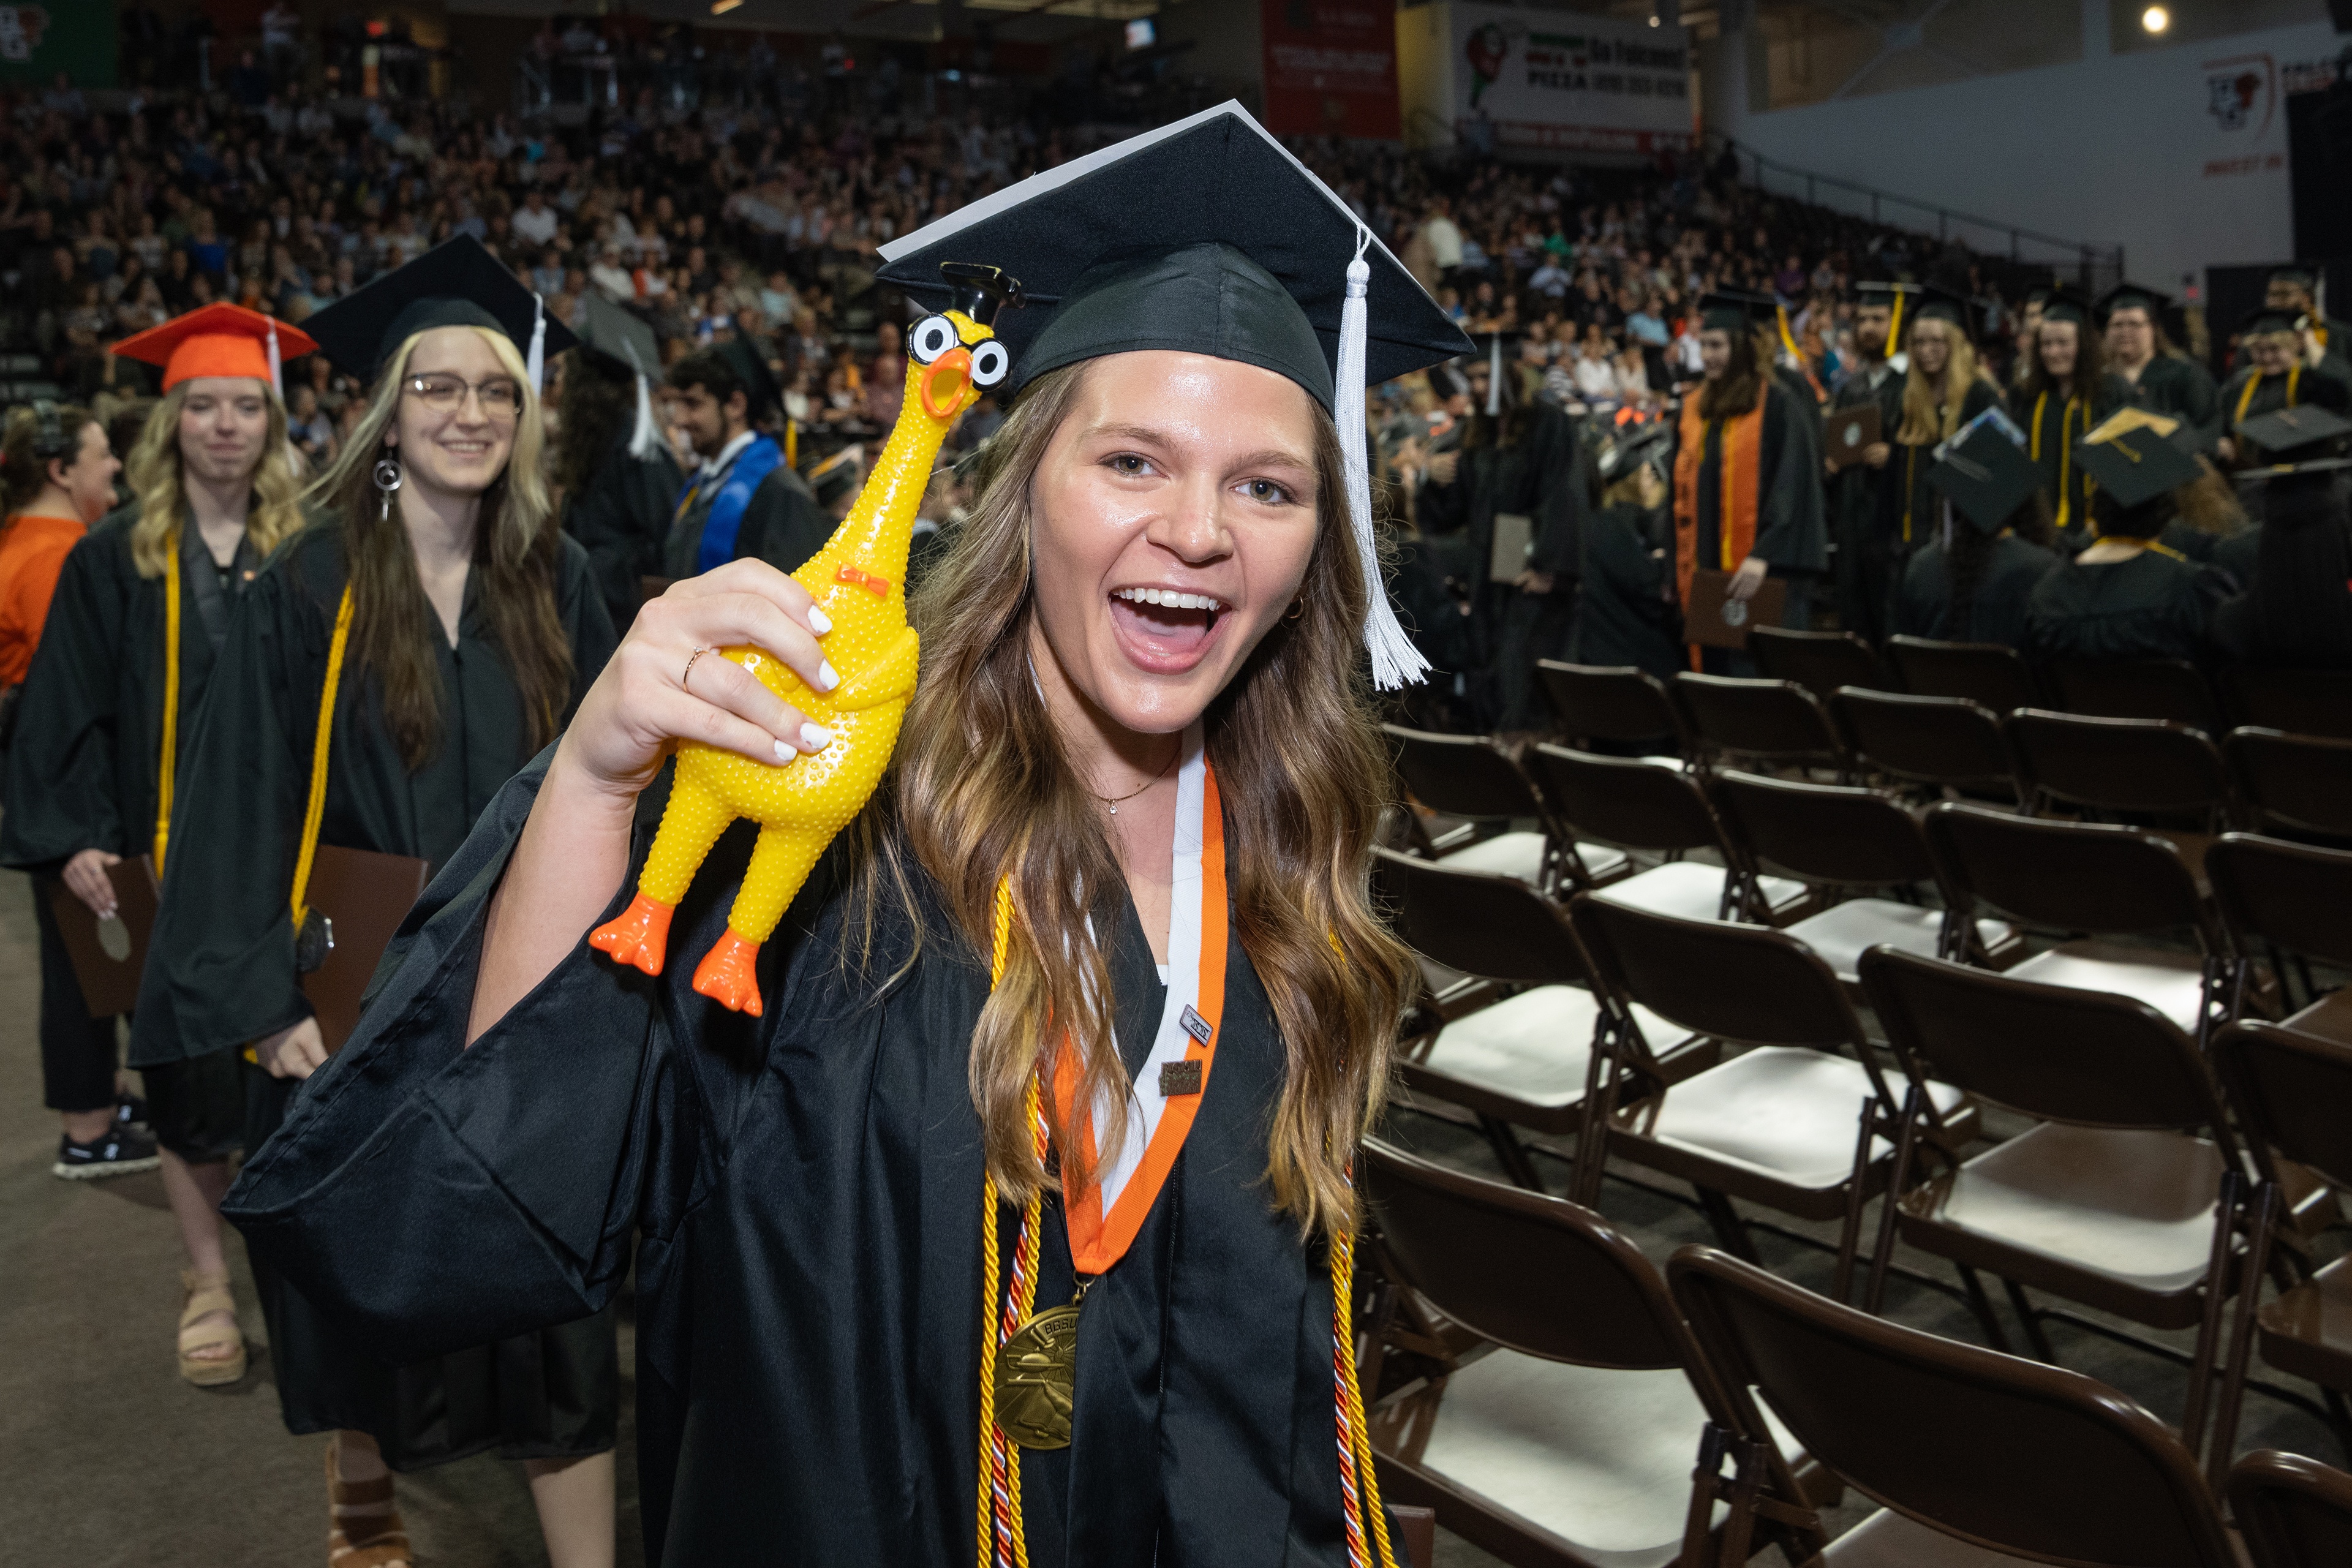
(318, 806)
(1895, 329)
(1001, 1539)
(2246, 398)
(171, 757)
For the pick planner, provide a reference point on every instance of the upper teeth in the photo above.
(1170, 598)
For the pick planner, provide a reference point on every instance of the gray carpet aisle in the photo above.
(110, 1461)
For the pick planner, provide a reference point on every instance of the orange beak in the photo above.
(944, 383)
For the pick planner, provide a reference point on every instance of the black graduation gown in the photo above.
(803, 1190)
(1996, 611)
(2178, 386)
(221, 970)
(781, 526)
(2249, 395)
(1914, 506)
(2153, 605)
(622, 518)
(2296, 607)
(83, 770)
(1791, 529)
(1860, 499)
(2054, 425)
(1625, 612)
(1542, 477)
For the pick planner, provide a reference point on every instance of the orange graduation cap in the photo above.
(218, 339)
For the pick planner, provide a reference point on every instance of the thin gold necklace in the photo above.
(1115, 802)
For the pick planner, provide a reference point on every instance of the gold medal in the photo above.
(1037, 1377)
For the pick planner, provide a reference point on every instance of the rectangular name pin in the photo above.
(1195, 1025)
(1178, 1078)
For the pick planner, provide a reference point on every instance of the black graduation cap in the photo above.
(2302, 274)
(761, 391)
(2266, 318)
(1922, 302)
(1634, 444)
(1204, 236)
(2135, 467)
(2132, 297)
(1986, 475)
(1729, 309)
(619, 336)
(458, 283)
(2065, 305)
(2288, 431)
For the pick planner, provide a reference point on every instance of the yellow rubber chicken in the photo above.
(859, 581)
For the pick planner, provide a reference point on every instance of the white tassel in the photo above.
(1395, 661)
(536, 363)
(644, 438)
(277, 379)
(1494, 377)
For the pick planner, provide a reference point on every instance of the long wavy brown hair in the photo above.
(515, 544)
(154, 471)
(983, 789)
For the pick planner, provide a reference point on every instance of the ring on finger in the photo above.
(688, 670)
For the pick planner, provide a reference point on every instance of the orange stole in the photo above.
(1741, 462)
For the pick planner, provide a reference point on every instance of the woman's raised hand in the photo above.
(657, 689)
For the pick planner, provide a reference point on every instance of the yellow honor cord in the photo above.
(1895, 327)
(1355, 1439)
(171, 757)
(319, 749)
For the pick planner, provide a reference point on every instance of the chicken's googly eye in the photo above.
(989, 363)
(932, 336)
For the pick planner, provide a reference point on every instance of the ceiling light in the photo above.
(2156, 19)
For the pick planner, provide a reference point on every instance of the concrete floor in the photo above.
(110, 1459)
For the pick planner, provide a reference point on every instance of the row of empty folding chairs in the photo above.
(1549, 1390)
(2263, 777)
(2303, 701)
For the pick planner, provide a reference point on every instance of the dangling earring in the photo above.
(387, 478)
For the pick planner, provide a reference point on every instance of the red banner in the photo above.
(1330, 68)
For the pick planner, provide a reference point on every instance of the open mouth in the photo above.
(1166, 630)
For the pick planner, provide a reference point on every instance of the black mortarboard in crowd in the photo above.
(2135, 467)
(2266, 318)
(760, 390)
(2065, 305)
(1731, 309)
(622, 339)
(1633, 444)
(2302, 274)
(2132, 297)
(458, 283)
(1986, 475)
(1912, 302)
(2289, 434)
(619, 336)
(1204, 237)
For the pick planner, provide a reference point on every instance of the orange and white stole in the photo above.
(1104, 1217)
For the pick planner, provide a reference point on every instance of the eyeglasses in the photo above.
(500, 396)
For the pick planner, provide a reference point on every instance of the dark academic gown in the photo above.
(1996, 612)
(1544, 476)
(804, 1193)
(82, 772)
(2177, 386)
(1861, 501)
(2249, 395)
(783, 526)
(1916, 507)
(1791, 528)
(2153, 605)
(622, 518)
(1625, 611)
(2054, 426)
(221, 970)
(2295, 604)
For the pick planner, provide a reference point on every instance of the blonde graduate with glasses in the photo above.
(442, 629)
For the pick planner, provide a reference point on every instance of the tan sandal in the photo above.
(209, 1298)
(364, 1530)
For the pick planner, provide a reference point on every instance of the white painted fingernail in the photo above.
(819, 622)
(815, 737)
(786, 751)
(826, 677)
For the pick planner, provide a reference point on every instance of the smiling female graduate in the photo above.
(1142, 737)
(389, 668)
